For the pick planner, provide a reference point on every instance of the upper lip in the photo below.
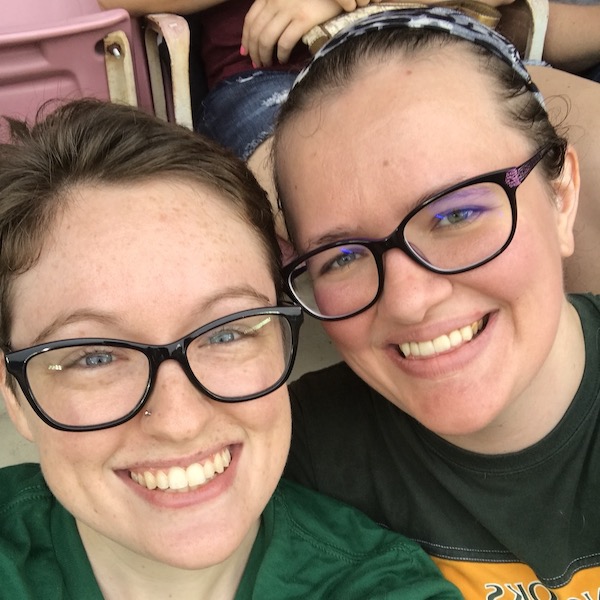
(431, 332)
(162, 463)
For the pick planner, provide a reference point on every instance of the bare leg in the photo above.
(574, 106)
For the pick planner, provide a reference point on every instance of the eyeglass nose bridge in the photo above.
(176, 351)
(379, 247)
(393, 241)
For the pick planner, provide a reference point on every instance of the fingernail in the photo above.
(243, 51)
(253, 65)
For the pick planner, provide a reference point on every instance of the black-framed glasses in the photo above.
(457, 230)
(87, 384)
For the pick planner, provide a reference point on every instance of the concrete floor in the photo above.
(315, 351)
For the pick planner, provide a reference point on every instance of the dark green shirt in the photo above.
(308, 547)
(519, 526)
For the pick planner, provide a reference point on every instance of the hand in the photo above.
(350, 5)
(281, 24)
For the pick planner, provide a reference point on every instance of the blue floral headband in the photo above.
(444, 19)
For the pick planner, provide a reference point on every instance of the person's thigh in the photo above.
(240, 114)
(574, 104)
(240, 111)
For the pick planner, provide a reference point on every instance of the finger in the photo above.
(347, 5)
(270, 36)
(262, 38)
(288, 39)
(250, 23)
(257, 7)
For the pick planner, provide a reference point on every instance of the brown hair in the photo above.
(89, 142)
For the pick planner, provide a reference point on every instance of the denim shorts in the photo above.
(240, 111)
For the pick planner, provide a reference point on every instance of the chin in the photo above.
(456, 420)
(196, 557)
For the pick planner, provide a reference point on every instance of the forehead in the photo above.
(122, 249)
(123, 217)
(401, 130)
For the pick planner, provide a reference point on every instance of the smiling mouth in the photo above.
(184, 479)
(443, 343)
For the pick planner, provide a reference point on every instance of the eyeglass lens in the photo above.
(84, 385)
(454, 232)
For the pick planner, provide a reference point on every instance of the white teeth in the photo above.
(443, 343)
(426, 348)
(226, 455)
(455, 338)
(195, 475)
(178, 478)
(162, 481)
(219, 466)
(467, 333)
(209, 469)
(149, 480)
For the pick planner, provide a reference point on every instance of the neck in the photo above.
(123, 574)
(537, 409)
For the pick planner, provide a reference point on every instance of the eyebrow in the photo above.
(339, 234)
(107, 318)
(442, 191)
(330, 236)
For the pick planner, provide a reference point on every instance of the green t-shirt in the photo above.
(309, 547)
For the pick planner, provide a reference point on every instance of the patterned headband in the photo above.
(444, 19)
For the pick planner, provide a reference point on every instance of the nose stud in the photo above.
(147, 413)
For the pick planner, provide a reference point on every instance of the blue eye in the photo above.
(344, 258)
(457, 216)
(466, 205)
(84, 358)
(224, 337)
(96, 360)
(236, 331)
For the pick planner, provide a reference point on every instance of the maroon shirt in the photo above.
(221, 37)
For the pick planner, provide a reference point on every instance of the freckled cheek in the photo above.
(351, 335)
(268, 430)
(67, 457)
(268, 419)
(528, 263)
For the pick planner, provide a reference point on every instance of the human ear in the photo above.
(15, 406)
(288, 253)
(566, 189)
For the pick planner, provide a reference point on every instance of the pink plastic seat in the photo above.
(62, 49)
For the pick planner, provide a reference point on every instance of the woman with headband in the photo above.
(431, 203)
